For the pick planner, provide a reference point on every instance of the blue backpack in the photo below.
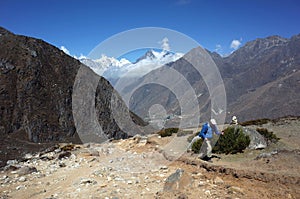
(203, 130)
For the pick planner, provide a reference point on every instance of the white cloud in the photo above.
(165, 44)
(218, 48)
(65, 50)
(235, 44)
(80, 57)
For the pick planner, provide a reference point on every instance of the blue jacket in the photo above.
(207, 131)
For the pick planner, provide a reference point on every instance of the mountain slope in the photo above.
(261, 80)
(36, 87)
(266, 70)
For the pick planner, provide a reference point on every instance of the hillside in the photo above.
(261, 80)
(37, 94)
(143, 167)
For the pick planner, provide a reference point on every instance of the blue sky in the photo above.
(81, 25)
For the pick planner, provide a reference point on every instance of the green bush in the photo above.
(167, 132)
(197, 145)
(232, 141)
(268, 135)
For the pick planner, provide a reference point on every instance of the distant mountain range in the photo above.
(261, 81)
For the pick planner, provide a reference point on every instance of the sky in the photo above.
(78, 26)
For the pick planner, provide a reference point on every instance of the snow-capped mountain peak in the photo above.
(111, 61)
(112, 68)
(104, 63)
(149, 55)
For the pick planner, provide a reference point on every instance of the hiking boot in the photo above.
(207, 159)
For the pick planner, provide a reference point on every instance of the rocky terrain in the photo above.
(42, 154)
(144, 167)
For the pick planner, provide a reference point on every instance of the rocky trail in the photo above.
(142, 167)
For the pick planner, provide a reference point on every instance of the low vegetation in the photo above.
(167, 132)
(197, 145)
(233, 141)
(256, 122)
(269, 136)
(266, 120)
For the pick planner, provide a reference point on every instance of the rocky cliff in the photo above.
(36, 87)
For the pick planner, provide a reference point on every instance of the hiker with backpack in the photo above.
(206, 134)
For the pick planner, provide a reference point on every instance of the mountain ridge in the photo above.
(270, 61)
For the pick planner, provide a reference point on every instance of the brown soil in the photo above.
(135, 168)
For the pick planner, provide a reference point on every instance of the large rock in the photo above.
(177, 181)
(257, 141)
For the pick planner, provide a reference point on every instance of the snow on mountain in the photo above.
(99, 66)
(150, 61)
(112, 68)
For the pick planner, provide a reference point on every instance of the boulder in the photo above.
(26, 170)
(177, 181)
(257, 141)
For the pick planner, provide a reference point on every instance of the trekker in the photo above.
(234, 121)
(206, 134)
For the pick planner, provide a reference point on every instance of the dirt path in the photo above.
(150, 167)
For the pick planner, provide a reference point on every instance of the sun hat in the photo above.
(213, 121)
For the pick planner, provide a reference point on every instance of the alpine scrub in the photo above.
(167, 132)
(233, 141)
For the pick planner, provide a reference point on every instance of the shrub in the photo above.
(256, 122)
(232, 141)
(197, 145)
(268, 135)
(167, 132)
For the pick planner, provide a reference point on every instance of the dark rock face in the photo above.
(36, 86)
